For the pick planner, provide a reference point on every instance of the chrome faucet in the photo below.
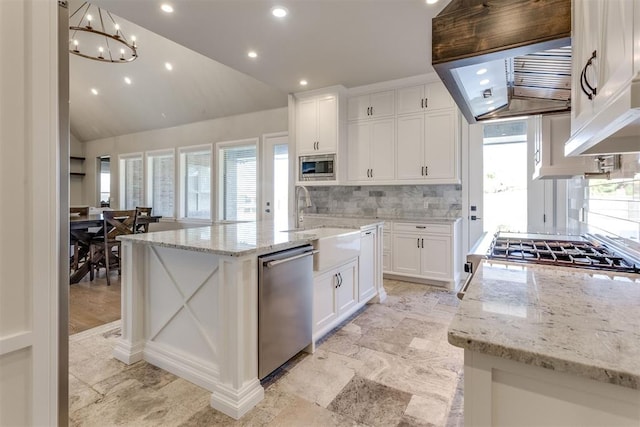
(307, 204)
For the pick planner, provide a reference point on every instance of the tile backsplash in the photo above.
(396, 201)
(609, 205)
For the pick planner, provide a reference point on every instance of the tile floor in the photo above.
(388, 365)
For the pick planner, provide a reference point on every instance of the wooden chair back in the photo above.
(142, 211)
(118, 223)
(82, 210)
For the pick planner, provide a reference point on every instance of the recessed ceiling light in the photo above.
(167, 8)
(252, 54)
(432, 1)
(94, 91)
(303, 82)
(279, 11)
(168, 66)
(127, 80)
(484, 82)
(481, 71)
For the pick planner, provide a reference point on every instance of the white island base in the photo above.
(193, 314)
(501, 392)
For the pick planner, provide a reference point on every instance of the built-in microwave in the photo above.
(317, 168)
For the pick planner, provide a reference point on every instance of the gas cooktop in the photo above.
(571, 251)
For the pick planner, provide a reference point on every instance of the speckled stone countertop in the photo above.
(244, 238)
(582, 322)
(338, 218)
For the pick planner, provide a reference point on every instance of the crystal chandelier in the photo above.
(94, 34)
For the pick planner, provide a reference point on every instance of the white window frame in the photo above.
(149, 178)
(121, 181)
(219, 170)
(181, 182)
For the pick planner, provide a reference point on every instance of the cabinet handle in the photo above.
(422, 103)
(422, 243)
(426, 103)
(421, 226)
(426, 171)
(422, 171)
(337, 281)
(418, 243)
(371, 173)
(591, 92)
(372, 111)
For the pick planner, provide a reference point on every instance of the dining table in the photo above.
(80, 229)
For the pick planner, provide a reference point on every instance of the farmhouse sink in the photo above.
(334, 245)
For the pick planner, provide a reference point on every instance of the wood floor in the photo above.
(93, 303)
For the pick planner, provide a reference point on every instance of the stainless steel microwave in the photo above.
(317, 168)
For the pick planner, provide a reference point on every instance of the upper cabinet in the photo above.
(371, 150)
(424, 98)
(372, 106)
(317, 124)
(549, 161)
(605, 93)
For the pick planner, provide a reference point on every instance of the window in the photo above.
(161, 182)
(131, 181)
(238, 180)
(105, 181)
(195, 171)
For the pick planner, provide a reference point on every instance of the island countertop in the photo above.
(582, 322)
(244, 238)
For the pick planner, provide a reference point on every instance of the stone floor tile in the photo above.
(370, 403)
(80, 394)
(431, 410)
(302, 413)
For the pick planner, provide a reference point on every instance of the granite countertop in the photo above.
(582, 322)
(338, 218)
(245, 238)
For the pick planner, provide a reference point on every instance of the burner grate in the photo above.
(581, 254)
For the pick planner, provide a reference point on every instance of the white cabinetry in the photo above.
(371, 150)
(335, 293)
(549, 161)
(386, 248)
(427, 147)
(367, 265)
(371, 106)
(317, 125)
(605, 105)
(426, 251)
(423, 98)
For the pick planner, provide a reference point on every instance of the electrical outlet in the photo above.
(426, 204)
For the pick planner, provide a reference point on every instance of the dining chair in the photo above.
(105, 249)
(144, 227)
(76, 240)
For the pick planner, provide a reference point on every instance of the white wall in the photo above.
(29, 218)
(251, 125)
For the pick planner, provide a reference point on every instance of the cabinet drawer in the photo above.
(422, 228)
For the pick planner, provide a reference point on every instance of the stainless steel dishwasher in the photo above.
(285, 306)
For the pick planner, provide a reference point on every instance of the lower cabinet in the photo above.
(335, 292)
(426, 251)
(367, 267)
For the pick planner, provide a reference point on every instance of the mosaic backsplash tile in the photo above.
(397, 201)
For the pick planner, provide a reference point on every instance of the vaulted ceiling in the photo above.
(326, 42)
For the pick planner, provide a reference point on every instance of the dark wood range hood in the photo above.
(505, 58)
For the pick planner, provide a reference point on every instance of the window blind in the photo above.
(132, 182)
(161, 168)
(239, 182)
(197, 184)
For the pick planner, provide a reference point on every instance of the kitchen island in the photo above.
(549, 345)
(190, 303)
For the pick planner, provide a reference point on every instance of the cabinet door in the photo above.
(307, 126)
(586, 35)
(358, 107)
(435, 257)
(382, 150)
(410, 147)
(327, 124)
(347, 290)
(382, 104)
(324, 303)
(406, 254)
(437, 97)
(410, 99)
(615, 57)
(440, 145)
(367, 266)
(358, 151)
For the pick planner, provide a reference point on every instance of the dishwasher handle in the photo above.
(270, 264)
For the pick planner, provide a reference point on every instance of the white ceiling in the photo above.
(327, 42)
